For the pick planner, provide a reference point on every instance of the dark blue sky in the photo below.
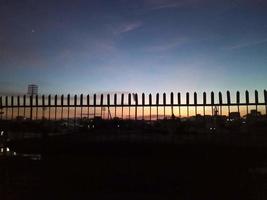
(138, 46)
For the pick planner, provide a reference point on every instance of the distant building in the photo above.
(234, 115)
(20, 118)
(254, 114)
(32, 89)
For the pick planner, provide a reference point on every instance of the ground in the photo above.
(140, 171)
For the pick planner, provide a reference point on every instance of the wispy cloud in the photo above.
(166, 5)
(127, 27)
(247, 44)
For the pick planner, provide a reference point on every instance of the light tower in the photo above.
(32, 91)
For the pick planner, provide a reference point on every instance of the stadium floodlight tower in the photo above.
(32, 91)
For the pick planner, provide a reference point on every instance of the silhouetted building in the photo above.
(255, 113)
(234, 116)
(20, 118)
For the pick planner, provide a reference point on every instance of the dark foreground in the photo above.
(140, 171)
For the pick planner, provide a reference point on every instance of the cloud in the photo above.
(127, 27)
(166, 5)
(247, 44)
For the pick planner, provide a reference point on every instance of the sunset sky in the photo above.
(88, 46)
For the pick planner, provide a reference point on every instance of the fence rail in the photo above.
(10, 106)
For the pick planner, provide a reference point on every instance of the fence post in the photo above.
(101, 105)
(143, 105)
(55, 102)
(62, 106)
(256, 100)
(195, 102)
(6, 107)
(228, 102)
(265, 100)
(122, 105)
(81, 105)
(129, 103)
(1, 107)
(36, 104)
(108, 102)
(18, 103)
(43, 107)
(164, 103)
(115, 104)
(247, 100)
(136, 104)
(220, 102)
(75, 107)
(68, 105)
(238, 101)
(187, 103)
(24, 106)
(172, 104)
(49, 106)
(94, 105)
(179, 103)
(150, 103)
(88, 106)
(31, 104)
(157, 104)
(212, 103)
(204, 103)
(12, 107)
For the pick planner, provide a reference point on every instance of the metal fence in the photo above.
(129, 105)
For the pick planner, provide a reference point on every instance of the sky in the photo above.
(94, 46)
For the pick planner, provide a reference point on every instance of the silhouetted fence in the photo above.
(67, 107)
